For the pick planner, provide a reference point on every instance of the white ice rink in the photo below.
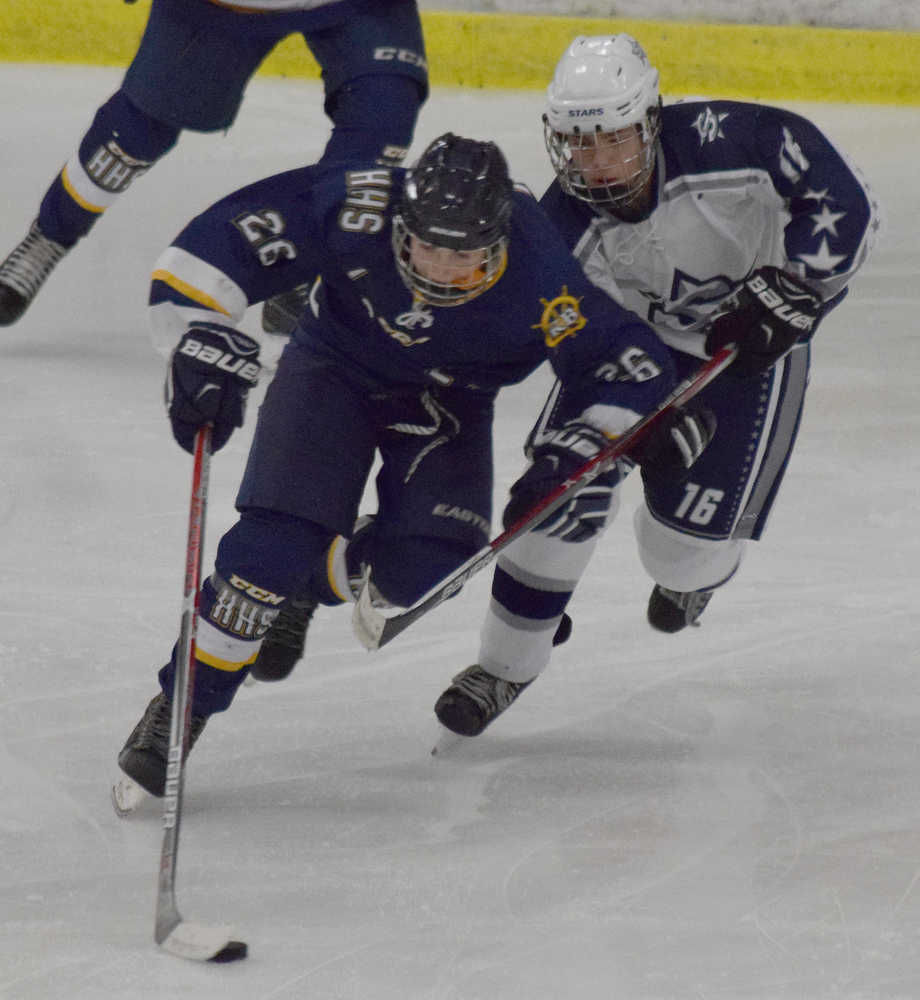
(728, 814)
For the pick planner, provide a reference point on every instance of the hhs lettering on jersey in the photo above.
(367, 194)
(112, 169)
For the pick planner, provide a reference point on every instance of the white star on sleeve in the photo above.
(826, 221)
(823, 260)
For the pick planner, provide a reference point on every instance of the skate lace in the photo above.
(491, 693)
(155, 727)
(31, 262)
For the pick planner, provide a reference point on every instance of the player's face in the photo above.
(608, 159)
(454, 268)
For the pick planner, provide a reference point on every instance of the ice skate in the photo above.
(283, 646)
(143, 757)
(474, 699)
(127, 795)
(673, 610)
(24, 272)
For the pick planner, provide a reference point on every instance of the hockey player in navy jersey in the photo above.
(190, 71)
(435, 289)
(718, 222)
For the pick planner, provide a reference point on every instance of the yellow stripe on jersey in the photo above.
(82, 202)
(223, 651)
(189, 291)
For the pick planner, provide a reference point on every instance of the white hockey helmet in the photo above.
(603, 86)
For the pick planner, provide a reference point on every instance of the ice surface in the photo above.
(729, 814)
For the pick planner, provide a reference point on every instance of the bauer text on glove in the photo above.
(772, 312)
(210, 374)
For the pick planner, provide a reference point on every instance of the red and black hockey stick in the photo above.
(171, 932)
(375, 629)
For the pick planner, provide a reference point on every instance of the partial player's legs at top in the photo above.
(190, 71)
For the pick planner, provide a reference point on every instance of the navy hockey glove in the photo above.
(772, 312)
(554, 459)
(667, 452)
(210, 374)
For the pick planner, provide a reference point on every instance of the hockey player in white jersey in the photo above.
(718, 222)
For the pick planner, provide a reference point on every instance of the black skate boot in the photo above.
(474, 698)
(24, 272)
(281, 312)
(283, 647)
(143, 757)
(673, 610)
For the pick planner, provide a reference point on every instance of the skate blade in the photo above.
(446, 741)
(127, 795)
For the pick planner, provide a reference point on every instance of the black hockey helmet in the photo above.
(457, 196)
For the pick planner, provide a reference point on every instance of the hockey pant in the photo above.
(299, 500)
(690, 535)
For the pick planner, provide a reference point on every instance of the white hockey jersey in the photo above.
(737, 186)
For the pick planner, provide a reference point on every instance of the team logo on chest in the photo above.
(415, 315)
(708, 125)
(561, 318)
(418, 315)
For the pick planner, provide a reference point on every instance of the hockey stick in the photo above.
(172, 933)
(374, 629)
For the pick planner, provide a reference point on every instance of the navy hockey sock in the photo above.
(121, 144)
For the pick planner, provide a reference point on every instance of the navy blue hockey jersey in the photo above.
(332, 227)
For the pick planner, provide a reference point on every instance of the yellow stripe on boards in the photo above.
(477, 50)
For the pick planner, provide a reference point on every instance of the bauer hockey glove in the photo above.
(561, 453)
(771, 313)
(210, 374)
(667, 452)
